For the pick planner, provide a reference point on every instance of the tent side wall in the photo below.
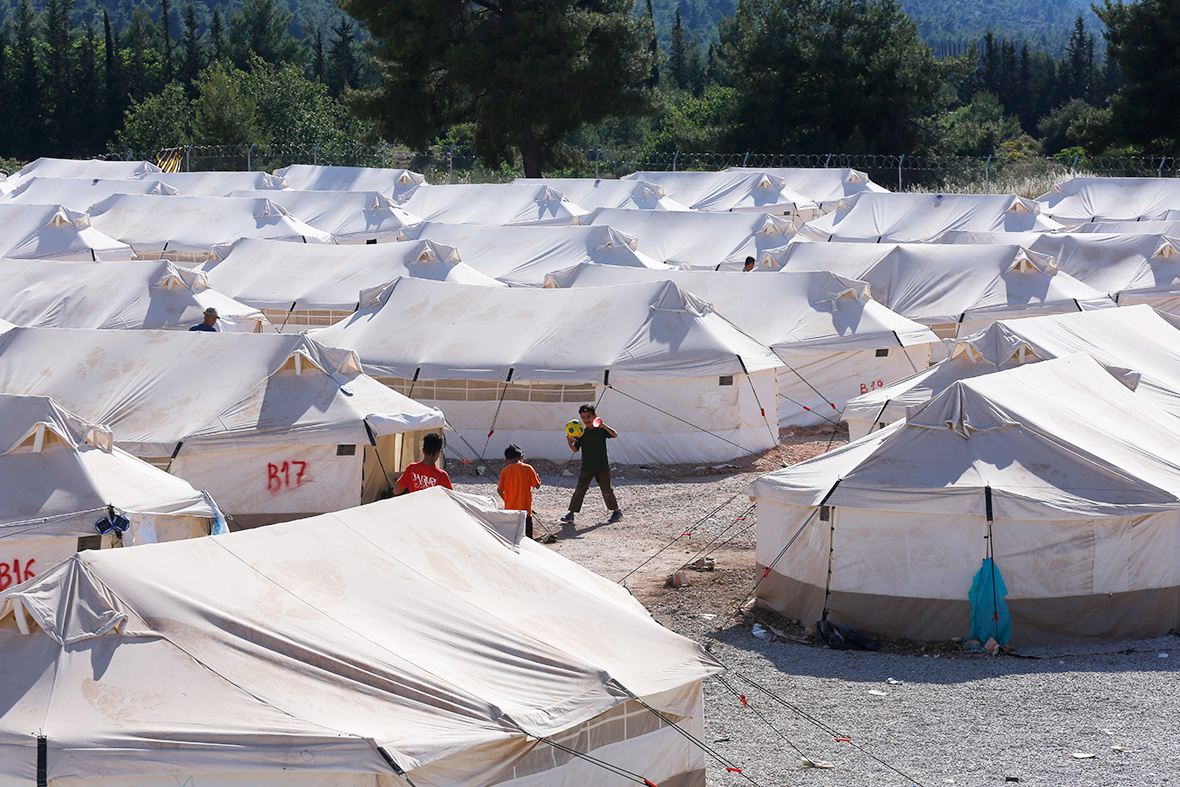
(384, 463)
(839, 377)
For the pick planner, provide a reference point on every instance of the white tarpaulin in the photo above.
(919, 218)
(493, 204)
(728, 192)
(1057, 471)
(828, 187)
(303, 285)
(1170, 228)
(519, 361)
(186, 229)
(76, 168)
(54, 232)
(34, 293)
(406, 637)
(523, 256)
(1087, 200)
(1133, 339)
(216, 184)
(390, 182)
(708, 241)
(591, 193)
(349, 216)
(847, 342)
(80, 193)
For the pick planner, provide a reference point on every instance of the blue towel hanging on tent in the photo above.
(989, 611)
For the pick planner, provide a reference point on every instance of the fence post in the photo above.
(250, 158)
(899, 161)
(187, 150)
(987, 180)
(1160, 171)
(1073, 168)
(675, 156)
(597, 156)
(451, 164)
(130, 153)
(827, 161)
(746, 160)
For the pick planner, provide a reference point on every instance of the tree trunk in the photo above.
(531, 158)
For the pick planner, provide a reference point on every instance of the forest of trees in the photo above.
(790, 76)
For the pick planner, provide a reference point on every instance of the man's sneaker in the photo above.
(568, 518)
(615, 516)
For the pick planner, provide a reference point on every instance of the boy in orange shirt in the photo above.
(517, 482)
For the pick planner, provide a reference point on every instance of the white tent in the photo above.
(591, 193)
(390, 182)
(1056, 472)
(708, 241)
(216, 184)
(835, 340)
(524, 256)
(828, 187)
(919, 218)
(54, 232)
(76, 168)
(955, 289)
(494, 204)
(185, 229)
(35, 293)
(1129, 268)
(728, 192)
(1083, 200)
(80, 193)
(349, 216)
(59, 475)
(273, 426)
(1133, 338)
(406, 642)
(301, 286)
(678, 381)
(1170, 227)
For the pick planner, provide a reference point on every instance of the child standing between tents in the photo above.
(517, 482)
(595, 463)
(427, 473)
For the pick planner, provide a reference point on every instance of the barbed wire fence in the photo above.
(901, 172)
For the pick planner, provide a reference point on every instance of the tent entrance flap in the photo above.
(391, 455)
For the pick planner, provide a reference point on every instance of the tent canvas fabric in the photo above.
(920, 218)
(390, 182)
(493, 204)
(120, 295)
(1169, 227)
(518, 362)
(88, 169)
(349, 216)
(216, 184)
(729, 192)
(405, 637)
(303, 286)
(80, 193)
(54, 232)
(700, 241)
(185, 229)
(1087, 200)
(255, 419)
(827, 187)
(1068, 480)
(60, 474)
(592, 193)
(834, 338)
(524, 256)
(1133, 339)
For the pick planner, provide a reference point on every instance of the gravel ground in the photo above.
(956, 717)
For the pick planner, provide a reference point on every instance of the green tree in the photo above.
(343, 68)
(977, 129)
(260, 29)
(192, 55)
(158, 121)
(527, 74)
(59, 77)
(1142, 39)
(28, 111)
(225, 110)
(167, 55)
(218, 46)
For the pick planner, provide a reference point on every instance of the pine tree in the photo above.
(217, 42)
(677, 65)
(192, 56)
(167, 50)
(653, 49)
(58, 77)
(260, 28)
(343, 68)
(317, 56)
(28, 110)
(86, 136)
(113, 93)
(6, 118)
(1141, 40)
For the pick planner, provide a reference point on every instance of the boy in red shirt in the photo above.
(517, 482)
(427, 473)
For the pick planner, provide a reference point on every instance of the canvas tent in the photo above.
(591, 193)
(216, 184)
(954, 289)
(80, 193)
(1134, 339)
(1064, 481)
(59, 475)
(349, 216)
(827, 187)
(75, 168)
(524, 256)
(678, 381)
(480, 656)
(834, 339)
(1169, 227)
(54, 232)
(729, 192)
(920, 218)
(185, 229)
(705, 241)
(1082, 200)
(390, 182)
(302, 286)
(274, 427)
(494, 204)
(136, 295)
